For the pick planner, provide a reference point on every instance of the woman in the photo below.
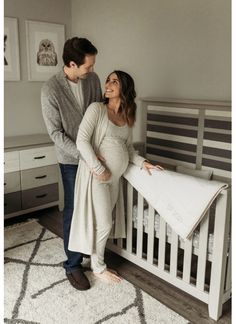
(105, 144)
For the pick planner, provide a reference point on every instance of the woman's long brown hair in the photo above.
(127, 95)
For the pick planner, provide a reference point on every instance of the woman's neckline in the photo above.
(115, 124)
(112, 121)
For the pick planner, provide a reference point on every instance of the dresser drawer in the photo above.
(38, 177)
(34, 158)
(12, 182)
(11, 161)
(12, 202)
(39, 196)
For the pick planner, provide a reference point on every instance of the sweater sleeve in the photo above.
(53, 123)
(84, 138)
(133, 156)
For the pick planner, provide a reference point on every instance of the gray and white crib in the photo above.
(196, 135)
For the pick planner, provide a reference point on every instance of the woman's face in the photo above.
(112, 87)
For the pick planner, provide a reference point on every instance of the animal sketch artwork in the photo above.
(46, 55)
(5, 45)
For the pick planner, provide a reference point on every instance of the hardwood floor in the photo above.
(192, 309)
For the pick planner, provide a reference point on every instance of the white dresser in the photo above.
(32, 178)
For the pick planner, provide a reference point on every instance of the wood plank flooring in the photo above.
(189, 307)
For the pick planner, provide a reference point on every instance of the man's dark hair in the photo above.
(75, 49)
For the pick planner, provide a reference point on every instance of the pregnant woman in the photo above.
(105, 144)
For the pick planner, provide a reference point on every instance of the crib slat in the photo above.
(202, 252)
(129, 217)
(162, 244)
(120, 242)
(140, 226)
(151, 215)
(174, 253)
(188, 246)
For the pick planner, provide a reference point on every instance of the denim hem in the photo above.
(70, 270)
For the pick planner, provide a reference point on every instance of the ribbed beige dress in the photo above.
(104, 195)
(94, 200)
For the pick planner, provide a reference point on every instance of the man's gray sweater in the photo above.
(62, 114)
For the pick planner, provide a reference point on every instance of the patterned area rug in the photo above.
(37, 291)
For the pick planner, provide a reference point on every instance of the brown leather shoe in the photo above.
(78, 279)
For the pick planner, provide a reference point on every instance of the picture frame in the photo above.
(44, 42)
(11, 50)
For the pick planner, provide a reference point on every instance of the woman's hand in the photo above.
(105, 176)
(148, 166)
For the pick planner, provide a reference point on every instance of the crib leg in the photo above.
(219, 256)
(215, 309)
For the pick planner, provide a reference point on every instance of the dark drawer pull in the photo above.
(41, 196)
(4, 183)
(41, 177)
(39, 157)
(5, 204)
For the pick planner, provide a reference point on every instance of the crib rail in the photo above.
(195, 271)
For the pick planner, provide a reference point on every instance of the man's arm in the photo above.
(54, 127)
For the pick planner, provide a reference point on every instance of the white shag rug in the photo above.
(36, 289)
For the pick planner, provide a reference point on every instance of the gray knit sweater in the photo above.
(62, 114)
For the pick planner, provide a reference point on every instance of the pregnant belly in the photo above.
(117, 159)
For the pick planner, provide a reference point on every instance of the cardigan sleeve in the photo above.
(52, 119)
(84, 138)
(133, 156)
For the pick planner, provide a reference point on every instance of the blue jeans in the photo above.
(68, 172)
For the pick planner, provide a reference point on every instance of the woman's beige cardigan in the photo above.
(91, 133)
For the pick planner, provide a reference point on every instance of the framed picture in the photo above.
(45, 43)
(11, 50)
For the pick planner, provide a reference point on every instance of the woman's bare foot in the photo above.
(112, 271)
(109, 276)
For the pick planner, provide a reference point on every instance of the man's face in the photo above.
(83, 70)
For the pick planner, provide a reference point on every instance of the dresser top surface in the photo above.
(15, 142)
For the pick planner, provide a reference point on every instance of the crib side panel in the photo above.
(220, 253)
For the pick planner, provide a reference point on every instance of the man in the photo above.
(64, 99)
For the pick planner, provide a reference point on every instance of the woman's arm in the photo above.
(83, 143)
(84, 138)
(133, 156)
(139, 160)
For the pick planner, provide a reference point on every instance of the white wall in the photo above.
(22, 109)
(172, 48)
